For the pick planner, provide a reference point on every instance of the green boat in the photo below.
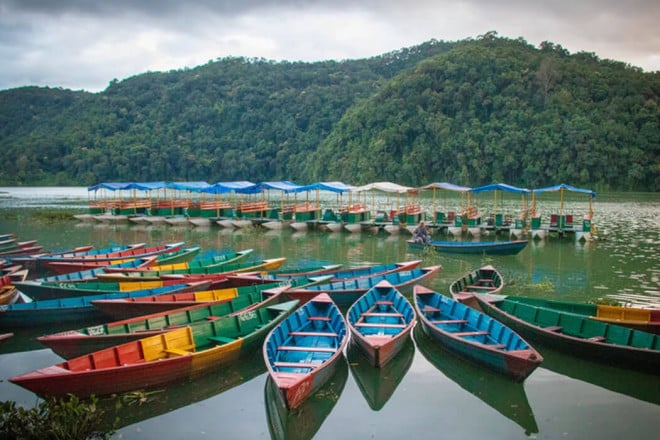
(574, 333)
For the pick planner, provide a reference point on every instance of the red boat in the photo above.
(77, 264)
(183, 353)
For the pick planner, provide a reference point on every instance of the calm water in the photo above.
(426, 391)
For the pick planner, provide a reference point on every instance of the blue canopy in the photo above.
(563, 186)
(241, 187)
(285, 185)
(188, 186)
(336, 187)
(146, 186)
(500, 187)
(447, 186)
(112, 186)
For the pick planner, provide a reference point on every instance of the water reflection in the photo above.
(134, 407)
(377, 385)
(632, 383)
(305, 421)
(499, 392)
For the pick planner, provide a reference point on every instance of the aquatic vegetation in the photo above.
(67, 418)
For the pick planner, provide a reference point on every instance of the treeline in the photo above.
(469, 112)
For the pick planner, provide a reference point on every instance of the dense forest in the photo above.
(471, 112)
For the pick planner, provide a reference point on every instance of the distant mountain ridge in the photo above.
(470, 112)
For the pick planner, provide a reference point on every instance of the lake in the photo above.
(427, 390)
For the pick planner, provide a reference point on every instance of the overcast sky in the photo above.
(84, 44)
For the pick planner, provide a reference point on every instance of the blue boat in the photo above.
(380, 322)
(305, 350)
(58, 311)
(345, 293)
(474, 335)
(511, 247)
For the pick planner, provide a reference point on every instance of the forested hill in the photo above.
(469, 112)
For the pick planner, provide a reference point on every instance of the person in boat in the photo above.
(422, 235)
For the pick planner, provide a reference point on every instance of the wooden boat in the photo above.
(510, 247)
(132, 307)
(647, 320)
(183, 353)
(20, 251)
(305, 421)
(473, 335)
(45, 291)
(229, 268)
(380, 322)
(506, 396)
(574, 333)
(305, 350)
(220, 259)
(486, 279)
(67, 310)
(90, 262)
(32, 261)
(333, 275)
(8, 295)
(5, 336)
(379, 384)
(345, 293)
(74, 343)
(182, 255)
(107, 251)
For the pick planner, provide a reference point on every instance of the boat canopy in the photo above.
(386, 187)
(336, 187)
(188, 186)
(239, 186)
(499, 187)
(447, 186)
(563, 186)
(111, 186)
(284, 185)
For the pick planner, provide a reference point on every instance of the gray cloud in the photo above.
(85, 44)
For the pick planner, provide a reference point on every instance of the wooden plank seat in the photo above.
(475, 333)
(293, 365)
(326, 334)
(429, 309)
(319, 318)
(176, 351)
(478, 287)
(449, 321)
(378, 314)
(297, 348)
(384, 303)
(373, 324)
(214, 204)
(253, 206)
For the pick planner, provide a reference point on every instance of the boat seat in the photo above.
(394, 315)
(449, 321)
(293, 365)
(475, 333)
(497, 346)
(327, 334)
(384, 303)
(318, 318)
(220, 339)
(553, 328)
(596, 339)
(176, 351)
(297, 348)
(475, 286)
(486, 281)
(427, 309)
(369, 324)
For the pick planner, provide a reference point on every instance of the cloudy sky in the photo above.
(84, 44)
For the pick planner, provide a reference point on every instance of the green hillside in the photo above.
(469, 112)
